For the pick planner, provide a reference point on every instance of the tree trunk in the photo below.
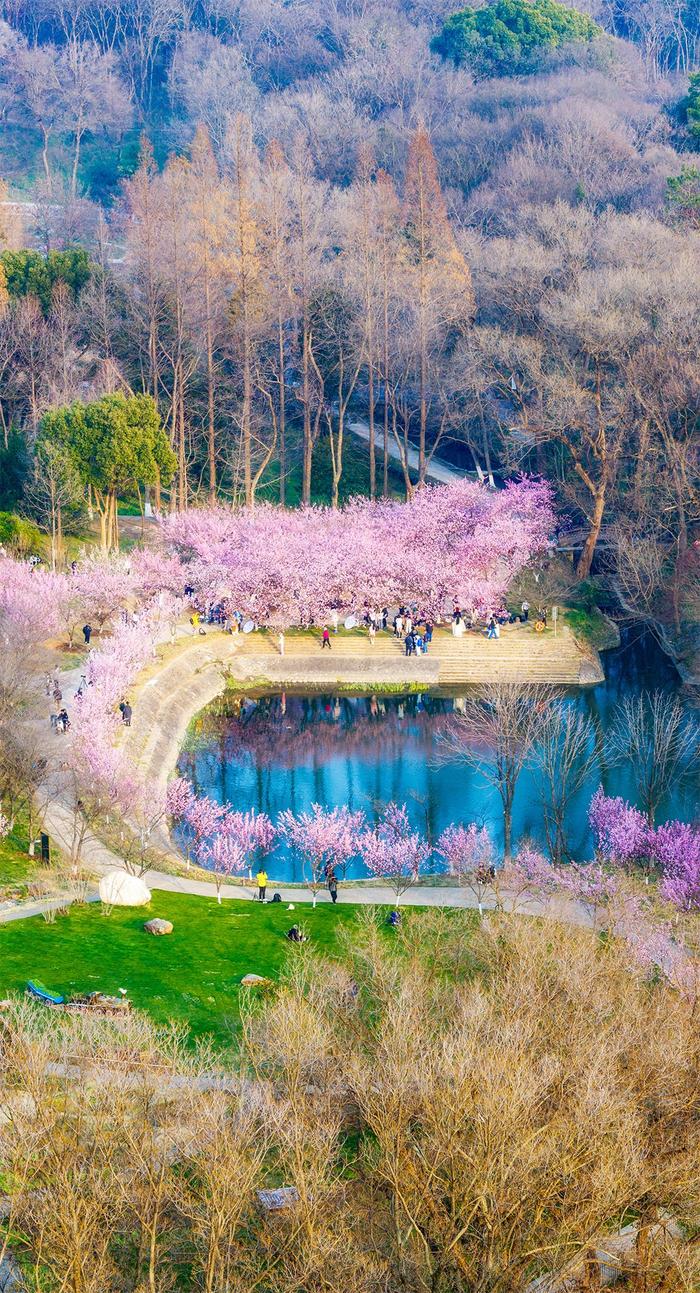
(308, 442)
(211, 429)
(76, 163)
(282, 410)
(585, 561)
(45, 159)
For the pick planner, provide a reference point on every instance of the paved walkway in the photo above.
(436, 469)
(99, 859)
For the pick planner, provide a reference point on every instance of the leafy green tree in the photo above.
(14, 467)
(28, 273)
(116, 444)
(683, 196)
(18, 535)
(690, 107)
(509, 36)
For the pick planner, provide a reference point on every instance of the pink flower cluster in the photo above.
(222, 839)
(622, 835)
(392, 851)
(466, 849)
(621, 832)
(287, 567)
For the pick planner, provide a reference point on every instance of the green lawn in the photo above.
(16, 866)
(191, 975)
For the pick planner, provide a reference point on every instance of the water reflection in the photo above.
(287, 751)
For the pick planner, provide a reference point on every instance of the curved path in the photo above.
(165, 697)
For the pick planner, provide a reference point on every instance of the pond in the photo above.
(284, 750)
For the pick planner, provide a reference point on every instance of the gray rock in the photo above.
(158, 926)
(590, 672)
(275, 1200)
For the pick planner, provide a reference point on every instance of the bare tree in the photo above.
(565, 756)
(653, 734)
(495, 734)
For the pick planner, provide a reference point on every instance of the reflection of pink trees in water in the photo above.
(296, 730)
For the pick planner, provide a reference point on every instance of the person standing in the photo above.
(333, 886)
(525, 608)
(326, 639)
(334, 620)
(398, 625)
(281, 643)
(428, 634)
(87, 633)
(372, 632)
(126, 714)
(261, 881)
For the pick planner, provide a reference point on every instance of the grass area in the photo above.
(592, 626)
(192, 975)
(354, 480)
(16, 866)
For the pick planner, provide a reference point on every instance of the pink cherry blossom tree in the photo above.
(528, 877)
(323, 839)
(224, 857)
(392, 851)
(179, 798)
(620, 831)
(675, 847)
(253, 833)
(469, 854)
(288, 567)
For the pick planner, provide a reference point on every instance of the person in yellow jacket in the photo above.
(261, 881)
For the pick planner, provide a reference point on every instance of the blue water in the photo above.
(279, 751)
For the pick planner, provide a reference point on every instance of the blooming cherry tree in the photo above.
(393, 851)
(621, 832)
(322, 839)
(468, 852)
(253, 833)
(287, 567)
(675, 847)
(528, 877)
(224, 857)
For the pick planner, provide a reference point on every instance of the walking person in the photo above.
(281, 643)
(126, 714)
(326, 639)
(428, 634)
(493, 631)
(261, 881)
(333, 886)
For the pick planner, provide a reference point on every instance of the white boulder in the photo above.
(119, 889)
